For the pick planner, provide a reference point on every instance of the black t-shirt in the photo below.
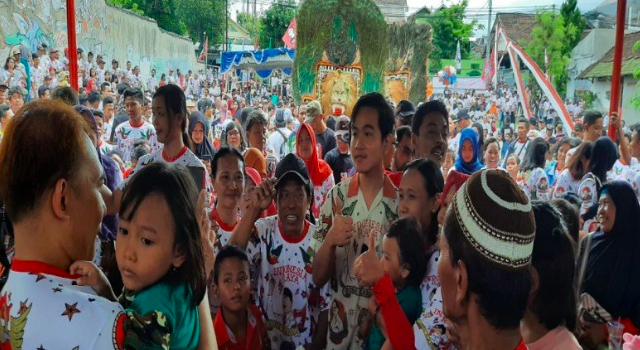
(339, 163)
(331, 123)
(327, 140)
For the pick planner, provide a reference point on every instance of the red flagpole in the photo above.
(617, 64)
(73, 49)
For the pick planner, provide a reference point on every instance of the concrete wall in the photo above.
(101, 28)
(602, 89)
(589, 50)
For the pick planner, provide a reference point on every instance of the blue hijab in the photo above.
(474, 165)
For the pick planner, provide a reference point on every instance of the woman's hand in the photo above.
(90, 275)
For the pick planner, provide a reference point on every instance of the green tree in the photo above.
(449, 27)
(275, 22)
(572, 17)
(551, 35)
(162, 11)
(251, 23)
(131, 5)
(200, 16)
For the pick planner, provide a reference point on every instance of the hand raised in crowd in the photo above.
(368, 269)
(615, 121)
(206, 234)
(90, 275)
(262, 196)
(341, 231)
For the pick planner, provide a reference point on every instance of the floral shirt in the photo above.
(320, 195)
(349, 301)
(127, 135)
(290, 301)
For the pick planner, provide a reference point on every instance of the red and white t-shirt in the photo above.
(41, 307)
(127, 134)
(290, 301)
(185, 158)
(222, 232)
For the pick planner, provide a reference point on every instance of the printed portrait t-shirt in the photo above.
(290, 301)
(348, 300)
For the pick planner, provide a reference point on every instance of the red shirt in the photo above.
(395, 177)
(255, 337)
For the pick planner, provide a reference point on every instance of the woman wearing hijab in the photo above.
(199, 133)
(319, 171)
(612, 263)
(603, 157)
(468, 151)
(253, 158)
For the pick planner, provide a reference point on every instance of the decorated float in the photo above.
(345, 49)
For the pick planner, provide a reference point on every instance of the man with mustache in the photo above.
(430, 131)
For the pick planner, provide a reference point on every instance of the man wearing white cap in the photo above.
(485, 265)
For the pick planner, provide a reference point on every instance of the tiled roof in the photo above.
(518, 26)
(603, 67)
(402, 3)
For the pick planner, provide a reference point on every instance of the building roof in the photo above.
(604, 66)
(402, 3)
(518, 26)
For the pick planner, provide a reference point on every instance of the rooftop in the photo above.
(518, 26)
(604, 66)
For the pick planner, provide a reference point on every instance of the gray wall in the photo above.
(101, 28)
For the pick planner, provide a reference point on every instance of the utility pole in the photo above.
(226, 25)
(489, 29)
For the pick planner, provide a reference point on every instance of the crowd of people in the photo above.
(180, 216)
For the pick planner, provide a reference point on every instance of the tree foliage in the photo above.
(449, 27)
(275, 22)
(551, 35)
(131, 5)
(572, 17)
(183, 17)
(253, 24)
(200, 16)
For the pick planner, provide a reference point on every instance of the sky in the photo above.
(584, 5)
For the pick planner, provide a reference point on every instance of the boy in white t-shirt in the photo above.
(137, 128)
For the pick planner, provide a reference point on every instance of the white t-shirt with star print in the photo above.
(42, 308)
(290, 301)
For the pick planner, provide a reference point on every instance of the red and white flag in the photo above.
(205, 50)
(289, 37)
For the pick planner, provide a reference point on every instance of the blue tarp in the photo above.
(263, 62)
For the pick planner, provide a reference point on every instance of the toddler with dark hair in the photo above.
(404, 260)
